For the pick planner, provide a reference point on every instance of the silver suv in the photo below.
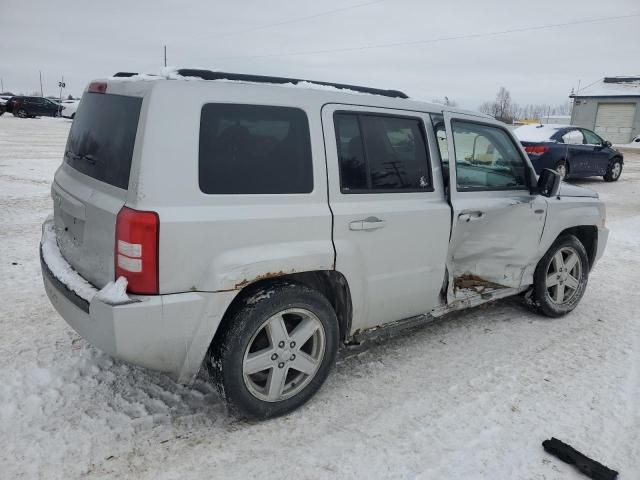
(247, 226)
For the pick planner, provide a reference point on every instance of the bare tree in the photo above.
(501, 108)
(487, 107)
(503, 105)
(445, 101)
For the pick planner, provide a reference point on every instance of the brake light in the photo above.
(97, 87)
(536, 149)
(136, 250)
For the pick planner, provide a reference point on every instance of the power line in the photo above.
(437, 40)
(296, 20)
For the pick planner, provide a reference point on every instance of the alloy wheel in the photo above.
(564, 275)
(616, 170)
(284, 355)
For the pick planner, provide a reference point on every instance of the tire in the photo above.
(614, 171)
(550, 296)
(22, 113)
(562, 167)
(254, 326)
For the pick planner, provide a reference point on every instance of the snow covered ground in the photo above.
(470, 396)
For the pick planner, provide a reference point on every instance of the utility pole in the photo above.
(1, 85)
(41, 91)
(61, 84)
(165, 55)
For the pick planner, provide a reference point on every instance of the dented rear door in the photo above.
(497, 221)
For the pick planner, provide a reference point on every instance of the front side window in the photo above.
(591, 138)
(486, 158)
(254, 149)
(381, 153)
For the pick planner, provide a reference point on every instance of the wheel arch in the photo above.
(617, 156)
(588, 236)
(330, 283)
(567, 163)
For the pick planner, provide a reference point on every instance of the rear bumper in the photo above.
(168, 333)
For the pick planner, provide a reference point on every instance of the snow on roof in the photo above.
(172, 73)
(537, 132)
(612, 87)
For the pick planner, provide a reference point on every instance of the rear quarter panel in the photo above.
(224, 242)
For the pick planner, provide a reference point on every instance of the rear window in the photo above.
(102, 137)
(254, 149)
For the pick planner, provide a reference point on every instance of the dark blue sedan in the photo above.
(573, 151)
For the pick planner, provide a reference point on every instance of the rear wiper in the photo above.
(87, 157)
(70, 155)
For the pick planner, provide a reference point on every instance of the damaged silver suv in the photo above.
(250, 228)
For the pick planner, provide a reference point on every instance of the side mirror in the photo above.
(549, 183)
(606, 143)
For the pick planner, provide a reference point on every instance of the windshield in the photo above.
(102, 137)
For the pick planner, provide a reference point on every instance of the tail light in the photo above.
(97, 87)
(536, 149)
(136, 250)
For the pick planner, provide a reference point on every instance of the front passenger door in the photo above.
(497, 220)
(37, 106)
(599, 162)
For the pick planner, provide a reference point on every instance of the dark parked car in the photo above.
(24, 107)
(573, 151)
(3, 102)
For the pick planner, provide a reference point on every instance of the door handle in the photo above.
(369, 223)
(471, 216)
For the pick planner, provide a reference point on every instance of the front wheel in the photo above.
(614, 171)
(561, 277)
(22, 113)
(275, 351)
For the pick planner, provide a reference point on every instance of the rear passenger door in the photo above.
(577, 153)
(391, 220)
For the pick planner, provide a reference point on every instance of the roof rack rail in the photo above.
(126, 74)
(211, 75)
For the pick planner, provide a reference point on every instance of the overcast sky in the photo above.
(83, 39)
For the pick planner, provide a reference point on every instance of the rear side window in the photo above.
(381, 153)
(254, 149)
(102, 137)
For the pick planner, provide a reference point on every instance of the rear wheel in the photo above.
(275, 351)
(614, 171)
(561, 277)
(563, 169)
(22, 113)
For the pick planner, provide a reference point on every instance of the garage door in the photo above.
(614, 121)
